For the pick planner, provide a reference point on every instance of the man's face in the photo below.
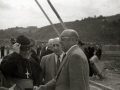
(57, 47)
(65, 41)
(27, 50)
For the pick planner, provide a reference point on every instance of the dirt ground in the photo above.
(112, 78)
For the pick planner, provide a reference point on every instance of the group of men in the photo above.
(66, 68)
(90, 51)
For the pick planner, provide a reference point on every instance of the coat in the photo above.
(74, 74)
(15, 66)
(48, 66)
(45, 52)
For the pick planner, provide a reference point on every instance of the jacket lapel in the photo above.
(65, 58)
(52, 65)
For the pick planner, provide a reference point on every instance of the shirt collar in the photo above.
(61, 57)
(70, 49)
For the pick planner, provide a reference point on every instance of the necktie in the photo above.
(58, 62)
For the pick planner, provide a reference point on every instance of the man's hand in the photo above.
(42, 87)
(13, 87)
(35, 87)
(16, 47)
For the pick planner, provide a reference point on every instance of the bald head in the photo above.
(56, 40)
(70, 33)
(68, 38)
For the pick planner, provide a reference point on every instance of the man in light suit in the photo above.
(49, 63)
(73, 73)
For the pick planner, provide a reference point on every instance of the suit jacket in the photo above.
(15, 66)
(45, 52)
(74, 74)
(49, 67)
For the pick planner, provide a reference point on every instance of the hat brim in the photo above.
(30, 45)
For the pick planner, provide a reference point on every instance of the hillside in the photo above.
(98, 31)
(113, 18)
(22, 30)
(102, 30)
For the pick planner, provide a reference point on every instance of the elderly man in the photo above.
(21, 68)
(73, 73)
(50, 63)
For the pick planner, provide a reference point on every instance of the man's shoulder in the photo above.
(48, 51)
(76, 49)
(78, 52)
(12, 55)
(49, 55)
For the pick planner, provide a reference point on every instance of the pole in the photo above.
(63, 25)
(48, 18)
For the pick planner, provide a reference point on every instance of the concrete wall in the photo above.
(111, 49)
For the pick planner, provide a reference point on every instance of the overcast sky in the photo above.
(23, 13)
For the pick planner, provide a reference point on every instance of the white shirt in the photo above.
(61, 57)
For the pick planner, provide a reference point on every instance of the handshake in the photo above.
(11, 88)
(41, 87)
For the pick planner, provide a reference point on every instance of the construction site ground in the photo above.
(112, 77)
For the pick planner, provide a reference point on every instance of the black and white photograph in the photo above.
(59, 44)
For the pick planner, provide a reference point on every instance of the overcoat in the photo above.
(15, 66)
(74, 74)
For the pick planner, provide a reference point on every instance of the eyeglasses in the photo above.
(62, 38)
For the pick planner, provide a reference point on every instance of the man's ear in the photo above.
(73, 40)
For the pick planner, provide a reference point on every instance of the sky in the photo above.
(23, 13)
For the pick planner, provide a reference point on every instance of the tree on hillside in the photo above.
(100, 17)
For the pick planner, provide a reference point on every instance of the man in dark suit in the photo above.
(48, 49)
(50, 63)
(98, 52)
(20, 67)
(73, 73)
(38, 50)
(2, 51)
(91, 50)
